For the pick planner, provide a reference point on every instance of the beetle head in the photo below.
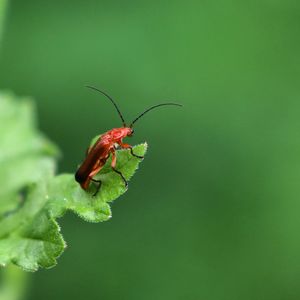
(130, 132)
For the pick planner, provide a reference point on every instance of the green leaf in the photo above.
(29, 233)
(35, 240)
(23, 149)
(31, 237)
(26, 157)
(83, 203)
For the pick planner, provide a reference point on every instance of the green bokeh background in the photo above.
(213, 212)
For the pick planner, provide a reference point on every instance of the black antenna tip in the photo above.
(91, 87)
(152, 107)
(178, 104)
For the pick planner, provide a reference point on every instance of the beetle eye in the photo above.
(131, 133)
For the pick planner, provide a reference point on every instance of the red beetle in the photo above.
(98, 154)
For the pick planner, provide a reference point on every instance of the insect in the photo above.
(105, 146)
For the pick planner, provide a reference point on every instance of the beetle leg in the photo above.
(113, 166)
(96, 169)
(98, 186)
(93, 173)
(127, 146)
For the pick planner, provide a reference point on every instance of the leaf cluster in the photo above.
(32, 197)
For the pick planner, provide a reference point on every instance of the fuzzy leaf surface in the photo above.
(83, 203)
(23, 149)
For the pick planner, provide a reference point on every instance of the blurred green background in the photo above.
(213, 212)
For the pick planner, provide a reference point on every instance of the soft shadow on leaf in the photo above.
(30, 236)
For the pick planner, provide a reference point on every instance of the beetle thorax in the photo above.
(118, 133)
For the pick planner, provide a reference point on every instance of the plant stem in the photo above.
(3, 5)
(13, 284)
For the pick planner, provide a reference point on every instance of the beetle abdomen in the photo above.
(80, 176)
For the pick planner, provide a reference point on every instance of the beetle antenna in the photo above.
(111, 99)
(150, 108)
